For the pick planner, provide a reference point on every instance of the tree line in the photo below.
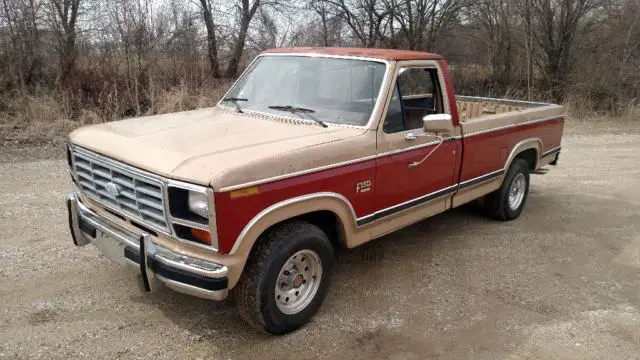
(97, 60)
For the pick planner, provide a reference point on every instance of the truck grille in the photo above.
(126, 191)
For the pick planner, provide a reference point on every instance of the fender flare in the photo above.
(330, 201)
(526, 144)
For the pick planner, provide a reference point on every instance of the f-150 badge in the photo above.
(363, 186)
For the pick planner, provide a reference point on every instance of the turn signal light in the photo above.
(202, 235)
(254, 190)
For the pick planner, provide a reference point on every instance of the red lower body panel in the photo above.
(488, 152)
(392, 180)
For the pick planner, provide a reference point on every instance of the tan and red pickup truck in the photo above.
(310, 150)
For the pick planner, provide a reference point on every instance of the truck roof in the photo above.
(385, 54)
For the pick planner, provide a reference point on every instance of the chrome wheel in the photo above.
(298, 281)
(517, 191)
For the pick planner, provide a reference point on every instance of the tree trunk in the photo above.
(212, 44)
(246, 16)
(68, 58)
(238, 47)
(66, 12)
(324, 29)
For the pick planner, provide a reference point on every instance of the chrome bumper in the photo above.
(156, 264)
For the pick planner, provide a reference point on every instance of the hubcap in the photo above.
(298, 281)
(516, 191)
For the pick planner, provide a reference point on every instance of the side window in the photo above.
(416, 95)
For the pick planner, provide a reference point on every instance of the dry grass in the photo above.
(48, 118)
(28, 119)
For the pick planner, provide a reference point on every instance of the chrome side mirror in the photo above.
(437, 123)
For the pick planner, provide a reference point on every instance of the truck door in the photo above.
(415, 174)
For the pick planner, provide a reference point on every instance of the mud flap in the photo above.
(147, 280)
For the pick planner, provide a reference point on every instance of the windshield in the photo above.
(341, 91)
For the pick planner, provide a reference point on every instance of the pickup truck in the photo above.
(311, 149)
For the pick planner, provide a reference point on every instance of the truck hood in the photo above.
(205, 146)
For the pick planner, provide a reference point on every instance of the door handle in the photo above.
(415, 164)
(410, 136)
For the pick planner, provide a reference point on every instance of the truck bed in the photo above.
(480, 114)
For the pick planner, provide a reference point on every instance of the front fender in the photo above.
(291, 208)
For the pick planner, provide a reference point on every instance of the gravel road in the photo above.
(561, 282)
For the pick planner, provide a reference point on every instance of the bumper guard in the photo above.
(156, 264)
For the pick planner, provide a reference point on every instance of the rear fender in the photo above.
(526, 144)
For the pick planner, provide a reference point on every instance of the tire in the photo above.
(256, 297)
(497, 204)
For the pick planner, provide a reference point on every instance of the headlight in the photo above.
(198, 204)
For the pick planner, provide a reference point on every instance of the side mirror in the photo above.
(437, 123)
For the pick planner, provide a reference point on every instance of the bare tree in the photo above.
(212, 44)
(65, 16)
(320, 7)
(558, 23)
(496, 17)
(420, 21)
(267, 32)
(22, 19)
(365, 18)
(246, 11)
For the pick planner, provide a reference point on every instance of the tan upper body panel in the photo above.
(476, 117)
(217, 146)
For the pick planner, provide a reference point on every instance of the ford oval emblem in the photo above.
(112, 188)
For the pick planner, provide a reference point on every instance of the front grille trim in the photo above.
(136, 184)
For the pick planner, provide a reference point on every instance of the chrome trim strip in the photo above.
(193, 290)
(551, 152)
(380, 214)
(331, 166)
(383, 85)
(510, 125)
(284, 203)
(294, 174)
(188, 223)
(480, 179)
(222, 272)
(502, 101)
(78, 237)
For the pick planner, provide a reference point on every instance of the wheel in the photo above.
(286, 278)
(507, 202)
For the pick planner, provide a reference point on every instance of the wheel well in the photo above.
(530, 156)
(328, 222)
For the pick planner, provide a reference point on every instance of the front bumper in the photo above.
(156, 264)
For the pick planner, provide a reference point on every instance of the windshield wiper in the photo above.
(235, 100)
(298, 111)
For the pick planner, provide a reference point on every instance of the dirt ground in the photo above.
(561, 282)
